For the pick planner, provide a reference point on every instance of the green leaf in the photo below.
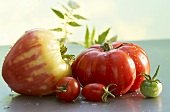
(86, 43)
(77, 16)
(92, 36)
(113, 39)
(64, 7)
(58, 13)
(66, 14)
(57, 29)
(73, 5)
(96, 42)
(102, 37)
(74, 24)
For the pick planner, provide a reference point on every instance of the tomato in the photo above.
(151, 87)
(105, 65)
(140, 59)
(67, 89)
(34, 64)
(97, 92)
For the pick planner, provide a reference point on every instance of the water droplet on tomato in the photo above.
(28, 90)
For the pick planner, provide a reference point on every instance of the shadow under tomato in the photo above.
(22, 103)
(130, 102)
(135, 102)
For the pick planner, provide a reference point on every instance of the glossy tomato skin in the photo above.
(34, 64)
(151, 88)
(72, 89)
(93, 91)
(140, 59)
(95, 65)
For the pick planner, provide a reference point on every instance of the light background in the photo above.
(128, 19)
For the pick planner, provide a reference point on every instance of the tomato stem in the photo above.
(148, 77)
(107, 92)
(63, 49)
(66, 57)
(106, 46)
(62, 88)
(156, 73)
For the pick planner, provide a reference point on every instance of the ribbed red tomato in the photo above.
(104, 65)
(140, 59)
(119, 63)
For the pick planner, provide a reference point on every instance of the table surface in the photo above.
(158, 53)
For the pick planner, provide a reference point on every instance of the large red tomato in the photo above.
(34, 64)
(140, 59)
(102, 64)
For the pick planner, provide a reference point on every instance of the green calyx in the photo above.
(62, 88)
(68, 58)
(63, 49)
(107, 93)
(152, 79)
(106, 46)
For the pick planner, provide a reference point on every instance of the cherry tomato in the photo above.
(140, 59)
(151, 87)
(105, 65)
(97, 92)
(67, 89)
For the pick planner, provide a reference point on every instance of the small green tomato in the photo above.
(151, 87)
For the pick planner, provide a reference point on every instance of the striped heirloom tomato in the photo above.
(35, 64)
